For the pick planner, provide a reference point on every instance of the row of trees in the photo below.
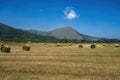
(54, 40)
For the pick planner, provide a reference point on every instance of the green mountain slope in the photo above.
(8, 33)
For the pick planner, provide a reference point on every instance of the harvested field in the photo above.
(48, 62)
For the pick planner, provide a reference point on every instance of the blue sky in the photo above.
(100, 18)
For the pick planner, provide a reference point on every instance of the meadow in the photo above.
(49, 62)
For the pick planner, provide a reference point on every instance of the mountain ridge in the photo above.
(11, 34)
(65, 33)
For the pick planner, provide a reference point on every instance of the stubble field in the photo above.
(49, 62)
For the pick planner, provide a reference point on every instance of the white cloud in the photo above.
(70, 13)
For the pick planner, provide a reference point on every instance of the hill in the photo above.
(8, 33)
(65, 33)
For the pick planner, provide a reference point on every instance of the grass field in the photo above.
(48, 62)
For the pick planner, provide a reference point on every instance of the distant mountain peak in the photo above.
(66, 32)
(66, 27)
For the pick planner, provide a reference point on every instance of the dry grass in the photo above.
(48, 62)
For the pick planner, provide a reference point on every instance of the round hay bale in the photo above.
(2, 44)
(116, 45)
(5, 49)
(45, 43)
(104, 44)
(26, 47)
(80, 46)
(70, 44)
(92, 46)
(58, 44)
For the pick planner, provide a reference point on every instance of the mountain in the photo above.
(70, 33)
(65, 33)
(8, 33)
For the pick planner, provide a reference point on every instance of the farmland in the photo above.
(49, 62)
